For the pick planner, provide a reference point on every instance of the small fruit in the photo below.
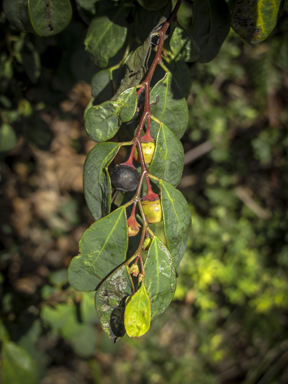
(147, 243)
(152, 210)
(124, 178)
(148, 152)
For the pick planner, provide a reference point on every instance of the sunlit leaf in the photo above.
(110, 302)
(211, 27)
(103, 248)
(96, 180)
(106, 35)
(183, 46)
(160, 280)
(177, 221)
(167, 162)
(171, 109)
(137, 313)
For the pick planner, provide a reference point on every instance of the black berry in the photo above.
(124, 178)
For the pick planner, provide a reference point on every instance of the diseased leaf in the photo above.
(160, 280)
(137, 313)
(177, 221)
(49, 17)
(171, 109)
(168, 158)
(96, 180)
(18, 367)
(102, 121)
(254, 20)
(110, 302)
(211, 27)
(103, 248)
(183, 46)
(106, 35)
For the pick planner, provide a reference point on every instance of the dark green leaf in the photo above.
(106, 35)
(177, 221)
(102, 121)
(96, 180)
(254, 20)
(171, 109)
(160, 280)
(153, 5)
(211, 27)
(103, 248)
(102, 86)
(137, 314)
(31, 61)
(17, 14)
(110, 302)
(181, 73)
(18, 367)
(167, 162)
(8, 138)
(49, 17)
(183, 46)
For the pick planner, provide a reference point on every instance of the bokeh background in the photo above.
(228, 322)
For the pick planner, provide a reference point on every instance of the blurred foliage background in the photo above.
(228, 322)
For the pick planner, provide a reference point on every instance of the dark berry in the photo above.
(124, 178)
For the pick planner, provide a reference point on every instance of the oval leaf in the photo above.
(102, 86)
(254, 20)
(106, 35)
(102, 121)
(183, 46)
(160, 280)
(171, 109)
(103, 248)
(138, 313)
(17, 14)
(110, 301)
(211, 27)
(8, 138)
(49, 17)
(177, 221)
(168, 158)
(127, 102)
(96, 180)
(18, 367)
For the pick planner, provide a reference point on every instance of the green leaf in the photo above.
(110, 302)
(102, 121)
(168, 158)
(49, 17)
(127, 102)
(106, 35)
(8, 138)
(58, 316)
(102, 86)
(181, 73)
(171, 109)
(96, 180)
(18, 367)
(31, 61)
(103, 248)
(17, 14)
(177, 221)
(137, 313)
(160, 277)
(211, 27)
(153, 5)
(254, 20)
(183, 46)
